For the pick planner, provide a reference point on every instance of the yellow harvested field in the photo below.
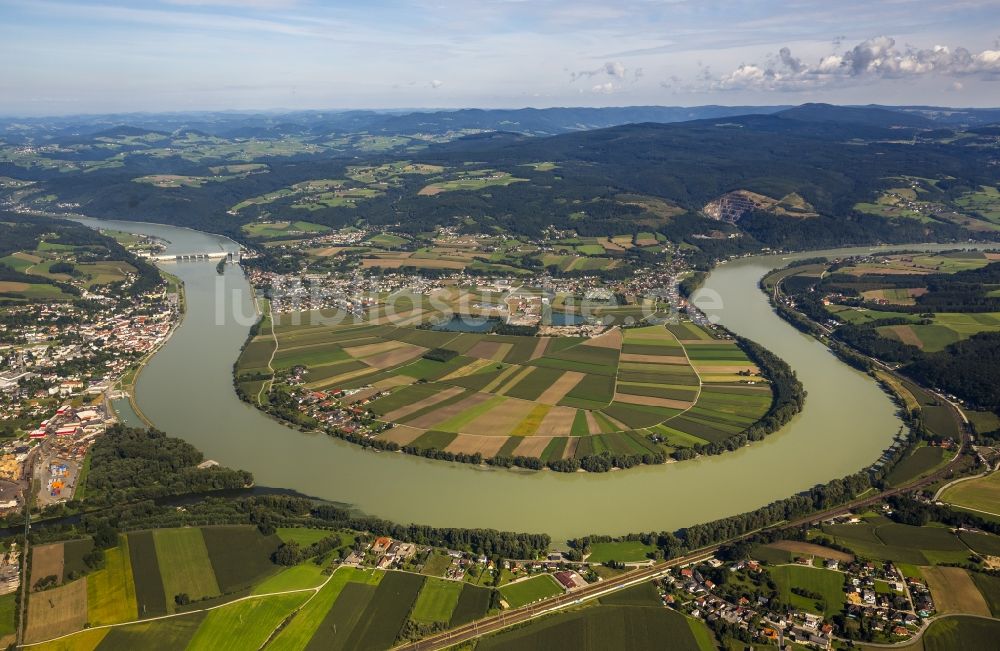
(530, 424)
(430, 190)
(610, 246)
(501, 420)
(954, 591)
(46, 560)
(58, 611)
(413, 408)
(13, 286)
(543, 343)
(719, 369)
(558, 390)
(488, 446)
(592, 424)
(327, 251)
(906, 334)
(558, 422)
(532, 446)
(652, 401)
(401, 434)
(610, 339)
(393, 382)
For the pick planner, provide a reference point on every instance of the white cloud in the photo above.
(436, 83)
(876, 58)
(606, 88)
(614, 69)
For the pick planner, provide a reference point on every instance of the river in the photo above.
(186, 390)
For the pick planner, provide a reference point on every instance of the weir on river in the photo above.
(187, 391)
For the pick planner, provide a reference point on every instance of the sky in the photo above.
(70, 57)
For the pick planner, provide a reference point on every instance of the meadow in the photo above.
(530, 590)
(980, 494)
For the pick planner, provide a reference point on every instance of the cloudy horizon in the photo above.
(65, 57)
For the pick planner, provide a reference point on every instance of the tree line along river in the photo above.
(186, 390)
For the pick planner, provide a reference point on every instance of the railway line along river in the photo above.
(186, 390)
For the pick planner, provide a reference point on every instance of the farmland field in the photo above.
(246, 624)
(828, 583)
(530, 590)
(980, 494)
(920, 462)
(57, 611)
(954, 592)
(111, 590)
(437, 601)
(304, 625)
(605, 627)
(472, 604)
(641, 391)
(184, 564)
(956, 632)
(626, 551)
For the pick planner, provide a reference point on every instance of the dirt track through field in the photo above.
(558, 389)
(403, 412)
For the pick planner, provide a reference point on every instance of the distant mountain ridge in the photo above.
(529, 121)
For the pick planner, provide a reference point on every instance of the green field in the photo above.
(111, 590)
(919, 463)
(626, 551)
(606, 627)
(304, 625)
(436, 601)
(530, 590)
(980, 494)
(244, 625)
(184, 565)
(828, 583)
(952, 633)
(304, 575)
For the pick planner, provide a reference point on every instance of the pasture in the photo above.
(954, 592)
(437, 601)
(244, 625)
(980, 494)
(111, 590)
(627, 551)
(827, 583)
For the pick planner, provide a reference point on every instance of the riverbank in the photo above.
(186, 389)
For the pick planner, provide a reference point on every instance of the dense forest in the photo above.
(831, 157)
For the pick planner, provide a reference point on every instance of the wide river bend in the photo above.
(186, 390)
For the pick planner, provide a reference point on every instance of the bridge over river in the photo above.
(175, 257)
